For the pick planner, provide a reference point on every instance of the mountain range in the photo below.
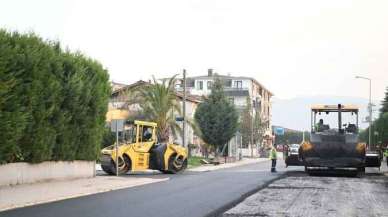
(295, 113)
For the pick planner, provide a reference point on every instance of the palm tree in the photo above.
(158, 104)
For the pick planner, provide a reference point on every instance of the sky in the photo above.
(294, 48)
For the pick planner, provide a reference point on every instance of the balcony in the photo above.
(233, 91)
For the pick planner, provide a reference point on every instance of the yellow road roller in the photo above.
(138, 150)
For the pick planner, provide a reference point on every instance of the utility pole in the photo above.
(370, 110)
(252, 126)
(240, 146)
(117, 149)
(184, 109)
(370, 114)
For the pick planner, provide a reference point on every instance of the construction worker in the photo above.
(273, 156)
(386, 154)
(286, 149)
(319, 126)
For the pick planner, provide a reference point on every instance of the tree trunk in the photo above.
(163, 135)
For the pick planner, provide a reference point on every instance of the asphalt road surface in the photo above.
(322, 195)
(189, 194)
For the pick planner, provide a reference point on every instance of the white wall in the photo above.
(23, 173)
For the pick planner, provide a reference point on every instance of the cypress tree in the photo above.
(384, 104)
(246, 123)
(52, 102)
(13, 117)
(217, 118)
(40, 88)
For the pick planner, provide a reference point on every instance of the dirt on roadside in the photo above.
(322, 195)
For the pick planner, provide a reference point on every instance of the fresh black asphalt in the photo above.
(191, 194)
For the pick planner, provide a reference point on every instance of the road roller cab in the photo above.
(139, 150)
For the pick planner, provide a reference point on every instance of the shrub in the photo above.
(52, 102)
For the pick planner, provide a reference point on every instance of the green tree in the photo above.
(379, 131)
(258, 128)
(217, 119)
(379, 126)
(13, 118)
(382, 129)
(159, 103)
(384, 104)
(33, 65)
(109, 138)
(246, 125)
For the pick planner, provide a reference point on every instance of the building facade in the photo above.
(238, 89)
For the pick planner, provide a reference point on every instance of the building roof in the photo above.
(129, 86)
(116, 85)
(190, 98)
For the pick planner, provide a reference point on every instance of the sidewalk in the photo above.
(31, 194)
(210, 167)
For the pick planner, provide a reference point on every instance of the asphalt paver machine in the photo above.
(337, 147)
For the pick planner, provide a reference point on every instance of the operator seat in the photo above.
(351, 128)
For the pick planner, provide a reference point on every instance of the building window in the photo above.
(200, 85)
(238, 84)
(209, 85)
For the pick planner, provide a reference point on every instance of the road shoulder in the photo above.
(32, 194)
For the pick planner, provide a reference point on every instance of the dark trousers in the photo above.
(273, 167)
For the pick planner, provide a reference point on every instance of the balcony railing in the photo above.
(180, 88)
(235, 88)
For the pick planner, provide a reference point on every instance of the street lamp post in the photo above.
(184, 110)
(369, 107)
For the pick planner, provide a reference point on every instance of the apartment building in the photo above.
(237, 89)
